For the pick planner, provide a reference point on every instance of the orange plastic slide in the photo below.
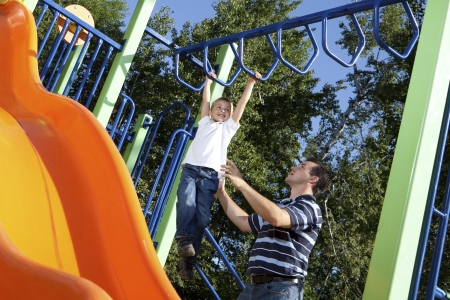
(70, 222)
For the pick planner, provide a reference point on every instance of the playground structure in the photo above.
(386, 279)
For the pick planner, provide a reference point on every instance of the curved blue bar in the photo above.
(362, 41)
(376, 30)
(311, 59)
(150, 136)
(161, 199)
(250, 72)
(177, 76)
(345, 10)
(126, 126)
(207, 67)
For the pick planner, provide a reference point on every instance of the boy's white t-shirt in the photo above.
(209, 147)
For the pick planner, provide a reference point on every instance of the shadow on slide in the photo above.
(70, 222)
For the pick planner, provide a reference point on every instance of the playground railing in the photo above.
(305, 21)
(76, 74)
(119, 130)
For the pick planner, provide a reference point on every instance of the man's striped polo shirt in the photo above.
(281, 251)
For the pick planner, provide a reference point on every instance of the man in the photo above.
(285, 234)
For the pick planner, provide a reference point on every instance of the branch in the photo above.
(329, 224)
(353, 104)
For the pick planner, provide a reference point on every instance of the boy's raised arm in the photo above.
(207, 96)
(240, 106)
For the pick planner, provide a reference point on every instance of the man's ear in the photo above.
(313, 179)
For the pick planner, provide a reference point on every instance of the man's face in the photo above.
(220, 111)
(301, 173)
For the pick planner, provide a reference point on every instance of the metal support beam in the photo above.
(122, 62)
(394, 253)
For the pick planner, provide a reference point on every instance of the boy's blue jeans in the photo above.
(195, 199)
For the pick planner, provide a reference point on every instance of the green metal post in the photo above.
(395, 248)
(133, 148)
(67, 70)
(122, 62)
(167, 227)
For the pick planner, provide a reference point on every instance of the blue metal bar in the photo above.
(77, 64)
(207, 68)
(160, 170)
(41, 15)
(117, 119)
(311, 59)
(47, 34)
(99, 76)
(88, 70)
(171, 179)
(440, 294)
(53, 50)
(55, 67)
(83, 24)
(114, 130)
(127, 124)
(177, 76)
(208, 284)
(439, 213)
(172, 45)
(66, 56)
(376, 30)
(151, 133)
(429, 209)
(240, 59)
(349, 9)
(222, 255)
(159, 203)
(334, 13)
(440, 243)
(362, 41)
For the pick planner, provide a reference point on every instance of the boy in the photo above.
(201, 166)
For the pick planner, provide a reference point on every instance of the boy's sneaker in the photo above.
(186, 271)
(185, 247)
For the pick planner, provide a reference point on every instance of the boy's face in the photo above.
(221, 110)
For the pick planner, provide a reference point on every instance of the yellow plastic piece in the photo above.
(70, 222)
(81, 13)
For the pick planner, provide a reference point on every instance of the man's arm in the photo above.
(233, 211)
(240, 106)
(265, 208)
(206, 101)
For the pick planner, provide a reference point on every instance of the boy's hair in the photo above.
(322, 173)
(224, 99)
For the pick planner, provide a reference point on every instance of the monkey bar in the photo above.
(305, 21)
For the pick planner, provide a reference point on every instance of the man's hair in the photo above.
(224, 99)
(322, 173)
